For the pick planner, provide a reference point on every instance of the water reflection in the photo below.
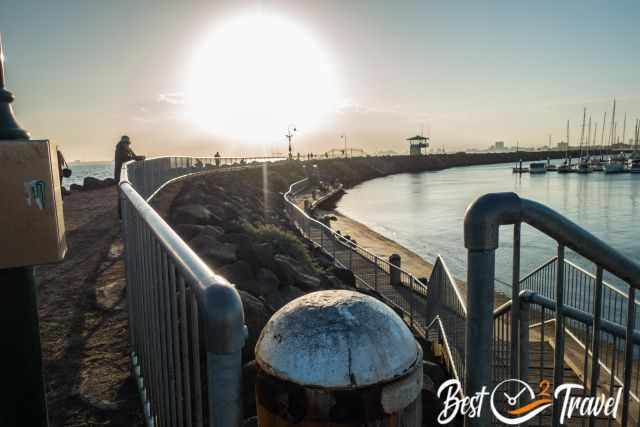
(425, 211)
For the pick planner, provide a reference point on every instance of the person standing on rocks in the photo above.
(217, 156)
(124, 153)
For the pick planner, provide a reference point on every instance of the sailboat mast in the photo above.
(624, 127)
(566, 153)
(589, 137)
(595, 135)
(613, 124)
(584, 115)
(604, 126)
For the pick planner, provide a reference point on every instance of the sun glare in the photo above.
(257, 74)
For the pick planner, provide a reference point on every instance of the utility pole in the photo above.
(289, 136)
(24, 401)
(344, 137)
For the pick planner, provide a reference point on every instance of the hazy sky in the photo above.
(84, 72)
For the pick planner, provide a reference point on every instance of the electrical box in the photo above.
(31, 218)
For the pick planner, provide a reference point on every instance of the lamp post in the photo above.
(289, 136)
(22, 378)
(344, 137)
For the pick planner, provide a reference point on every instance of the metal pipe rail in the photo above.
(179, 310)
(419, 303)
(483, 219)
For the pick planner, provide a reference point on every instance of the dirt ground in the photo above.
(83, 320)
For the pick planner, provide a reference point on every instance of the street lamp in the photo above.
(289, 135)
(344, 137)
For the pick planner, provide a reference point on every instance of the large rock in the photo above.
(210, 248)
(75, 187)
(238, 272)
(194, 214)
(244, 243)
(91, 183)
(265, 283)
(292, 272)
(189, 231)
(264, 255)
(282, 296)
(345, 275)
(256, 315)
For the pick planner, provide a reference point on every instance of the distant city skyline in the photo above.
(466, 73)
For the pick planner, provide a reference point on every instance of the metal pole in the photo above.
(515, 306)
(25, 402)
(478, 366)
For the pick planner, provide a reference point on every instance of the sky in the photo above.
(466, 74)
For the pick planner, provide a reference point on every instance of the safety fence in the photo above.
(562, 324)
(433, 309)
(186, 324)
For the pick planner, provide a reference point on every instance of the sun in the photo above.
(255, 75)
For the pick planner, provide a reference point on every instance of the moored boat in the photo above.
(616, 164)
(537, 167)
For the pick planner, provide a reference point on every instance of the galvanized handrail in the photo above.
(421, 304)
(482, 221)
(176, 304)
(296, 187)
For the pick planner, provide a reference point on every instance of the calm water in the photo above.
(80, 171)
(425, 212)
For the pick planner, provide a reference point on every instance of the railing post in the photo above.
(225, 334)
(523, 353)
(515, 306)
(395, 263)
(479, 364)
(481, 229)
(375, 273)
(558, 355)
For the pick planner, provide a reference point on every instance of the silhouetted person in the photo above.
(63, 168)
(124, 153)
(217, 156)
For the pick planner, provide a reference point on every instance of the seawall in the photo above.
(355, 170)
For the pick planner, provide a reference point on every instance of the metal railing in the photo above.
(435, 309)
(186, 324)
(497, 341)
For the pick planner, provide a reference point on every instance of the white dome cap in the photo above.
(337, 339)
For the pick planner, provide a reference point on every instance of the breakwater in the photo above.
(352, 171)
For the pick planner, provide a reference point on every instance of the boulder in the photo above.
(345, 275)
(264, 255)
(189, 231)
(108, 182)
(75, 187)
(291, 272)
(91, 183)
(238, 272)
(244, 243)
(264, 283)
(256, 315)
(282, 296)
(210, 248)
(194, 214)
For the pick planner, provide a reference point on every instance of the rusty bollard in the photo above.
(338, 358)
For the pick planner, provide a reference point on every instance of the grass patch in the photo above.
(283, 242)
